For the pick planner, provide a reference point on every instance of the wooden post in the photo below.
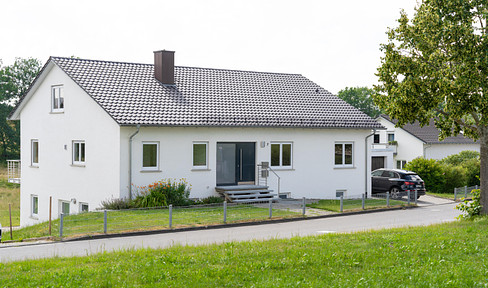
(50, 211)
(10, 213)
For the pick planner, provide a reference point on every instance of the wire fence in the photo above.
(464, 192)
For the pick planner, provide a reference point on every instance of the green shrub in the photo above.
(211, 200)
(164, 193)
(471, 208)
(117, 204)
(461, 157)
(454, 176)
(431, 171)
(472, 167)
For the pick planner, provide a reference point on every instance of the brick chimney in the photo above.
(164, 67)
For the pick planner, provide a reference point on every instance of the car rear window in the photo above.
(412, 177)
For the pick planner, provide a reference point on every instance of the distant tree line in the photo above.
(360, 97)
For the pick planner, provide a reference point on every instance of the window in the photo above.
(200, 155)
(391, 137)
(343, 155)
(34, 152)
(376, 138)
(78, 152)
(281, 155)
(34, 205)
(150, 155)
(401, 164)
(64, 207)
(83, 207)
(57, 98)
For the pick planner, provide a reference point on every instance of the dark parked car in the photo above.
(397, 182)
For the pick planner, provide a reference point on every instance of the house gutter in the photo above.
(130, 159)
(366, 162)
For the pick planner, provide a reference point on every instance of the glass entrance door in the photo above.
(235, 163)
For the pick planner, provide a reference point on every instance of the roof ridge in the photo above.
(191, 67)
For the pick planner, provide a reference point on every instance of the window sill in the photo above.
(35, 217)
(56, 112)
(344, 167)
(78, 165)
(201, 169)
(150, 171)
(33, 166)
(281, 168)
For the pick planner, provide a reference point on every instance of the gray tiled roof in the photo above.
(429, 133)
(210, 97)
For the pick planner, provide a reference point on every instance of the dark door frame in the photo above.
(240, 162)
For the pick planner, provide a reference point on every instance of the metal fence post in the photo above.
(61, 226)
(270, 209)
(416, 195)
(342, 203)
(225, 211)
(387, 199)
(476, 187)
(408, 196)
(105, 221)
(170, 215)
(364, 199)
(304, 207)
(455, 194)
(465, 191)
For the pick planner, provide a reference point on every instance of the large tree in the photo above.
(360, 97)
(14, 82)
(436, 65)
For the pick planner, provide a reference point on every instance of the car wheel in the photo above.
(395, 193)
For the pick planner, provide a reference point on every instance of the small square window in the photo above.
(78, 152)
(64, 207)
(84, 207)
(401, 164)
(391, 137)
(150, 155)
(34, 205)
(281, 155)
(34, 152)
(57, 98)
(343, 154)
(200, 155)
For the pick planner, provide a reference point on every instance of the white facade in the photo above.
(103, 173)
(409, 147)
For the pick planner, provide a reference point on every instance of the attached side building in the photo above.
(93, 130)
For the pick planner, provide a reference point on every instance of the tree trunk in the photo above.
(483, 133)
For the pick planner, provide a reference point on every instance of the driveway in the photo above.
(428, 213)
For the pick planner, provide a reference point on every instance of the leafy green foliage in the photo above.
(471, 208)
(453, 177)
(435, 66)
(14, 82)
(431, 171)
(360, 97)
(461, 157)
(446, 255)
(210, 200)
(117, 204)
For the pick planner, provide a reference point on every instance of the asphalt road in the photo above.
(428, 213)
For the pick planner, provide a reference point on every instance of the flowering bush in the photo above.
(164, 193)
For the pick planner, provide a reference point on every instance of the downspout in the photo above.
(366, 162)
(130, 159)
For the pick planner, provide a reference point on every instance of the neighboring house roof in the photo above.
(131, 95)
(429, 134)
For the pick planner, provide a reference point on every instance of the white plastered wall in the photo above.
(313, 174)
(83, 119)
(439, 151)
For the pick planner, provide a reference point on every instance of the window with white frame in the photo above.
(34, 152)
(343, 154)
(391, 137)
(150, 156)
(78, 152)
(200, 155)
(34, 205)
(83, 207)
(64, 207)
(281, 154)
(57, 98)
(401, 164)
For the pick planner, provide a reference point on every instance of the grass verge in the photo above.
(92, 223)
(354, 204)
(445, 255)
(450, 195)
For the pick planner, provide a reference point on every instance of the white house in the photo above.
(395, 146)
(90, 130)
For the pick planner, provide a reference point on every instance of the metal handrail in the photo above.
(266, 178)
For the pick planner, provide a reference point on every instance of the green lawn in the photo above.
(9, 194)
(149, 219)
(450, 195)
(446, 255)
(354, 204)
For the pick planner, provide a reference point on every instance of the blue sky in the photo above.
(333, 43)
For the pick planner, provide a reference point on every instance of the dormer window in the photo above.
(57, 98)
